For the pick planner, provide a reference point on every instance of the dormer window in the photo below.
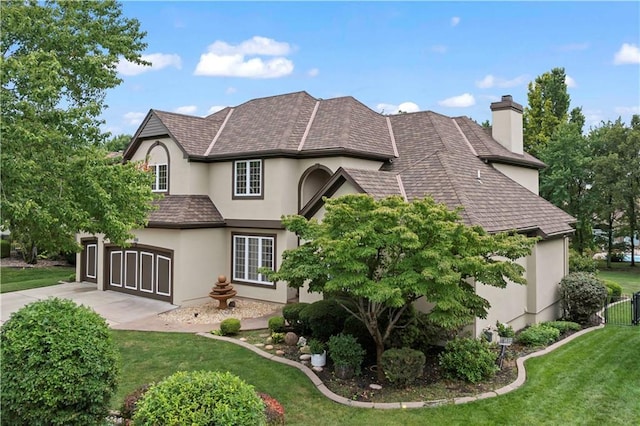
(161, 177)
(247, 179)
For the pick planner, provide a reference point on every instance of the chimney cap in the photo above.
(506, 103)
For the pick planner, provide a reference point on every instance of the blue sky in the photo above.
(454, 58)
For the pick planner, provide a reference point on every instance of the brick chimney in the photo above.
(506, 126)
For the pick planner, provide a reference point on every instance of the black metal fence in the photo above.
(623, 310)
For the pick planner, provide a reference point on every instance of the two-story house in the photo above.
(229, 177)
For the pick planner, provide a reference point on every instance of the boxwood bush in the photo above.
(59, 365)
(325, 318)
(276, 324)
(200, 398)
(402, 366)
(230, 326)
(291, 313)
(563, 326)
(468, 359)
(582, 296)
(614, 290)
(538, 335)
(581, 263)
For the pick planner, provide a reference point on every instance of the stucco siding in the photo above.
(522, 175)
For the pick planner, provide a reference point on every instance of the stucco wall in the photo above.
(522, 175)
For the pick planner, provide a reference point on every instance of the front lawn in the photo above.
(16, 279)
(623, 274)
(591, 380)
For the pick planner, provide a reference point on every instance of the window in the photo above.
(248, 178)
(249, 254)
(160, 174)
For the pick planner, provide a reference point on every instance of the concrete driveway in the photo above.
(117, 308)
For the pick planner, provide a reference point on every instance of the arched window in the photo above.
(310, 183)
(158, 162)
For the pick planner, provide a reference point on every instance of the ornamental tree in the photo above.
(58, 59)
(378, 257)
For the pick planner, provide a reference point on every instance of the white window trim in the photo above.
(156, 175)
(142, 255)
(247, 183)
(90, 247)
(158, 259)
(261, 278)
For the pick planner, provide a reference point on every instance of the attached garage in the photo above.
(142, 270)
(89, 260)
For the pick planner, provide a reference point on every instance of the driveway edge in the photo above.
(520, 380)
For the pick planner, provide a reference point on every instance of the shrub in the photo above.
(273, 410)
(402, 366)
(324, 318)
(316, 346)
(357, 329)
(614, 290)
(200, 398)
(130, 403)
(277, 337)
(59, 365)
(468, 359)
(582, 295)
(5, 248)
(291, 313)
(538, 335)
(581, 263)
(230, 326)
(344, 350)
(505, 330)
(563, 326)
(276, 324)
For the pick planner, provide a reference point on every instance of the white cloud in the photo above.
(439, 48)
(225, 60)
(158, 62)
(627, 110)
(455, 21)
(570, 82)
(215, 109)
(230, 90)
(394, 109)
(187, 109)
(134, 118)
(313, 72)
(462, 101)
(490, 81)
(628, 54)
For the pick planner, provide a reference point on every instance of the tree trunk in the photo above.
(379, 370)
(30, 253)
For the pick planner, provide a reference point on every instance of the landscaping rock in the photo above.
(375, 387)
(317, 369)
(305, 350)
(269, 339)
(279, 352)
(243, 339)
(269, 347)
(305, 357)
(291, 338)
(259, 345)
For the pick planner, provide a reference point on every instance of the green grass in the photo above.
(16, 279)
(623, 274)
(592, 380)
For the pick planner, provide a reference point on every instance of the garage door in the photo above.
(89, 261)
(143, 271)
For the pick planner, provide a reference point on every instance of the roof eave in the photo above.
(513, 161)
(290, 153)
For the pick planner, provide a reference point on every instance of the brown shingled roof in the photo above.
(185, 211)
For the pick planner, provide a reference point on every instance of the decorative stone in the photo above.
(259, 345)
(269, 339)
(375, 387)
(243, 339)
(302, 341)
(305, 357)
(269, 347)
(279, 352)
(317, 369)
(291, 338)
(305, 350)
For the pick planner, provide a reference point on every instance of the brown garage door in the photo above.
(143, 271)
(89, 261)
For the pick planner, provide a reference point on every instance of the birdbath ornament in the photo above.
(222, 291)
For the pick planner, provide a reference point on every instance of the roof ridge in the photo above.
(178, 114)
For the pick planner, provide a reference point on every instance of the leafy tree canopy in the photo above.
(117, 143)
(58, 60)
(384, 255)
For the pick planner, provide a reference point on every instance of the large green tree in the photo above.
(567, 178)
(58, 60)
(384, 255)
(548, 107)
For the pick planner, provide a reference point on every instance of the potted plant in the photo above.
(347, 355)
(506, 333)
(318, 353)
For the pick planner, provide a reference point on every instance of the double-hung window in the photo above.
(251, 252)
(247, 180)
(160, 177)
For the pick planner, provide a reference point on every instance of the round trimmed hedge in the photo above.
(200, 398)
(59, 365)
